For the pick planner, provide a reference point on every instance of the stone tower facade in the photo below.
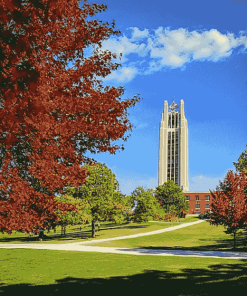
(173, 146)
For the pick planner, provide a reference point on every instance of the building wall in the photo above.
(198, 198)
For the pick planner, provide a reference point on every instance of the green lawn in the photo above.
(73, 233)
(48, 272)
(202, 236)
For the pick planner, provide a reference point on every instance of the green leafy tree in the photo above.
(100, 192)
(121, 205)
(171, 198)
(81, 215)
(241, 165)
(147, 205)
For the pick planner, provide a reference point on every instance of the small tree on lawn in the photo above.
(229, 203)
(100, 192)
(147, 205)
(171, 197)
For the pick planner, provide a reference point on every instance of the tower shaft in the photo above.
(173, 146)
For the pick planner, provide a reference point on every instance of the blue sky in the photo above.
(190, 50)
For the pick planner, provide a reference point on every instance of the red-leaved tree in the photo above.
(50, 114)
(229, 203)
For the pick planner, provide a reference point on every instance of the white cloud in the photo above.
(174, 48)
(124, 46)
(137, 34)
(166, 48)
(122, 74)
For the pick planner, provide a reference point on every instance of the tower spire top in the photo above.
(173, 106)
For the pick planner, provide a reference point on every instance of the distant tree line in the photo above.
(99, 199)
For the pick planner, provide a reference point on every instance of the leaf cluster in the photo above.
(81, 214)
(241, 164)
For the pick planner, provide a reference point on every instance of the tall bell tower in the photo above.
(173, 146)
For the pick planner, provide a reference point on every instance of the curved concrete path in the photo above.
(80, 246)
(141, 234)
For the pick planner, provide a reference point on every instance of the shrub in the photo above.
(183, 214)
(170, 217)
(157, 217)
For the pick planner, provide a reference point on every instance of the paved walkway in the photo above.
(82, 247)
(142, 234)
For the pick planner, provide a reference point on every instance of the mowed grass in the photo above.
(48, 272)
(202, 236)
(107, 230)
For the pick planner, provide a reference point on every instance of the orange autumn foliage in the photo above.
(170, 217)
(50, 114)
(229, 204)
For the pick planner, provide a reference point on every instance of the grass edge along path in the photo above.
(199, 237)
(171, 228)
(82, 236)
(158, 251)
(132, 251)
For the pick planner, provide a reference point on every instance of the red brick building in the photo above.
(199, 201)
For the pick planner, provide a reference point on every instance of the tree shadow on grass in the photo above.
(221, 279)
(219, 245)
(52, 237)
(68, 236)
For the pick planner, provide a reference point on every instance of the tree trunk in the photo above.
(234, 239)
(93, 228)
(41, 233)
